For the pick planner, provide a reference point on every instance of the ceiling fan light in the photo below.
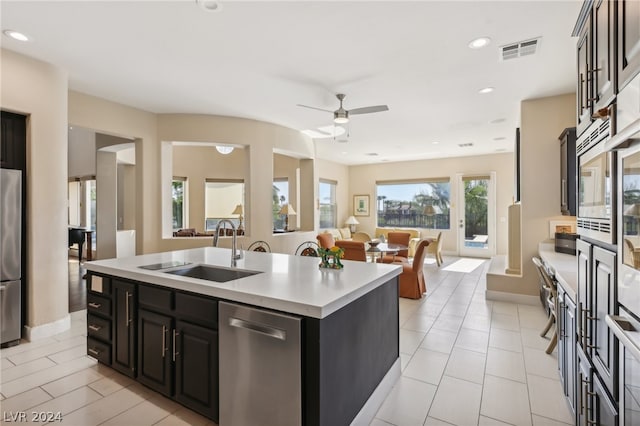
(341, 120)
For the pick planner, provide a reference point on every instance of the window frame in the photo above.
(416, 217)
(230, 216)
(333, 203)
(185, 217)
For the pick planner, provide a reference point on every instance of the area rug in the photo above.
(464, 265)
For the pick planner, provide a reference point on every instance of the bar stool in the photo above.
(549, 284)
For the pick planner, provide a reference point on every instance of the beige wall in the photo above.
(39, 90)
(362, 180)
(121, 120)
(543, 120)
(199, 163)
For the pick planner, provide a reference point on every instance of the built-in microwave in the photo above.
(595, 193)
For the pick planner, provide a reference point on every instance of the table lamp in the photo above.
(238, 210)
(430, 211)
(352, 222)
(286, 210)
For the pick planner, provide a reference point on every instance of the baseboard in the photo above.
(368, 411)
(47, 330)
(503, 296)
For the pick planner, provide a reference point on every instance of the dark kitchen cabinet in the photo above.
(603, 70)
(568, 188)
(124, 327)
(601, 342)
(178, 347)
(584, 87)
(155, 366)
(594, 406)
(597, 298)
(628, 41)
(196, 368)
(567, 346)
(99, 318)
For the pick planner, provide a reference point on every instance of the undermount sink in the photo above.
(213, 273)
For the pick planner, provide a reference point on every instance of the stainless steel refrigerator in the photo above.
(10, 253)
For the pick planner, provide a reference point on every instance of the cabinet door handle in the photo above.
(164, 340)
(94, 305)
(127, 310)
(175, 353)
(581, 394)
(564, 191)
(94, 327)
(93, 351)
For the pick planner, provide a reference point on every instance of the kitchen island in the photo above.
(163, 329)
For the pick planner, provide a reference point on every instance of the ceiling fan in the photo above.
(341, 115)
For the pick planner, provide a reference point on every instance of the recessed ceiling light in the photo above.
(498, 120)
(16, 35)
(435, 143)
(224, 149)
(372, 154)
(479, 42)
(210, 5)
(485, 90)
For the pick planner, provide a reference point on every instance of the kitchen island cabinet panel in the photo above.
(124, 327)
(154, 351)
(347, 354)
(196, 368)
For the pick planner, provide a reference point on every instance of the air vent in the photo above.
(519, 49)
(465, 145)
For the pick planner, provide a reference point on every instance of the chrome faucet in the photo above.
(234, 251)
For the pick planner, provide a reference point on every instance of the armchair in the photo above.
(402, 238)
(435, 248)
(353, 250)
(326, 240)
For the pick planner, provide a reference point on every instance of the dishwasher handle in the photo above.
(258, 328)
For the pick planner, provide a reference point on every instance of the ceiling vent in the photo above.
(465, 145)
(519, 49)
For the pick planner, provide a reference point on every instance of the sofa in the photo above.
(338, 233)
(413, 242)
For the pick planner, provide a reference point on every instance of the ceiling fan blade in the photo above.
(369, 109)
(319, 109)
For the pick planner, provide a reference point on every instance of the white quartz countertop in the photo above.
(293, 284)
(565, 267)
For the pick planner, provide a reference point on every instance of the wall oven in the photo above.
(595, 188)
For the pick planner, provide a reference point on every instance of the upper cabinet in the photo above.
(596, 61)
(628, 41)
(584, 86)
(602, 72)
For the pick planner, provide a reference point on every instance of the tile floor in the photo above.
(465, 361)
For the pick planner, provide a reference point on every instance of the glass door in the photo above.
(476, 215)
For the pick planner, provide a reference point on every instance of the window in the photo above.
(280, 198)
(328, 207)
(221, 198)
(178, 202)
(417, 204)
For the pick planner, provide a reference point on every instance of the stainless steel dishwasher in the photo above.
(260, 367)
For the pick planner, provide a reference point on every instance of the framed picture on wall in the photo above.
(361, 205)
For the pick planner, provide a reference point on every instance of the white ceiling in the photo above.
(259, 59)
